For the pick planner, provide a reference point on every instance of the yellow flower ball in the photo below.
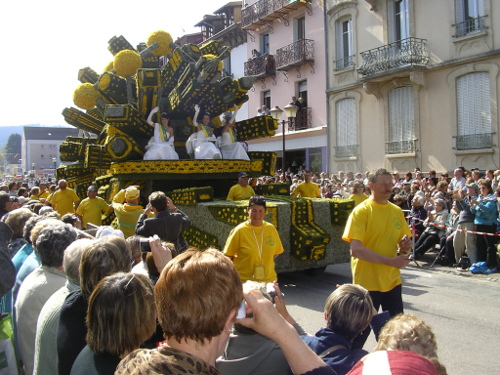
(163, 39)
(109, 67)
(85, 96)
(127, 62)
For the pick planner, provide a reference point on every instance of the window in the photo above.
(226, 63)
(469, 17)
(345, 121)
(473, 111)
(401, 121)
(399, 20)
(264, 44)
(344, 48)
(299, 28)
(266, 99)
(302, 89)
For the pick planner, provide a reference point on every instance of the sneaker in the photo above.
(487, 271)
(478, 267)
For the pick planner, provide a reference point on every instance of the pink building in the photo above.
(286, 49)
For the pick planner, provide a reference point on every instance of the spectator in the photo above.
(37, 288)
(348, 311)
(168, 223)
(6, 204)
(410, 333)
(465, 241)
(8, 274)
(16, 221)
(394, 362)
(457, 182)
(434, 229)
(101, 258)
(358, 194)
(486, 213)
(121, 316)
(418, 214)
(46, 358)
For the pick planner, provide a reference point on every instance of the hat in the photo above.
(22, 200)
(473, 186)
(394, 362)
(108, 231)
(132, 193)
(242, 174)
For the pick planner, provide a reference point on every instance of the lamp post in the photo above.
(54, 160)
(291, 112)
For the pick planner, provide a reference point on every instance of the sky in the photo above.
(45, 44)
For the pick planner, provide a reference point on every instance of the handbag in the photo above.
(8, 360)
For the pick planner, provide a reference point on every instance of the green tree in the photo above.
(12, 149)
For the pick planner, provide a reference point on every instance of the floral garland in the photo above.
(234, 213)
(186, 166)
(200, 239)
(270, 189)
(191, 196)
(340, 209)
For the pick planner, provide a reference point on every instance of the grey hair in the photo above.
(71, 260)
(52, 241)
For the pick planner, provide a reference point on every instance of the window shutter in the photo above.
(473, 104)
(401, 115)
(346, 122)
(459, 11)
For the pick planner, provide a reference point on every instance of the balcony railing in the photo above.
(266, 10)
(344, 63)
(474, 141)
(295, 54)
(346, 151)
(303, 119)
(469, 26)
(401, 147)
(409, 52)
(262, 66)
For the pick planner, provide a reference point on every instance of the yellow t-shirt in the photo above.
(358, 198)
(243, 245)
(62, 201)
(307, 190)
(379, 227)
(91, 210)
(237, 193)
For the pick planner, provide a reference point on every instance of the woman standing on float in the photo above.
(204, 147)
(161, 144)
(229, 145)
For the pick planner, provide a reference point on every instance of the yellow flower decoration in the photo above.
(163, 39)
(109, 67)
(85, 96)
(127, 62)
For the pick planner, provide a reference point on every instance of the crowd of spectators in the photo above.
(87, 303)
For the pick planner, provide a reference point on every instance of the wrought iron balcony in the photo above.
(474, 141)
(469, 26)
(261, 67)
(344, 63)
(265, 11)
(295, 54)
(409, 52)
(346, 151)
(401, 147)
(302, 119)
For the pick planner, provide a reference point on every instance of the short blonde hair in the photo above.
(408, 332)
(349, 310)
(195, 294)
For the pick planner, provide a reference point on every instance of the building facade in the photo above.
(413, 84)
(40, 146)
(286, 50)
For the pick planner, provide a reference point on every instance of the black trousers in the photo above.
(391, 301)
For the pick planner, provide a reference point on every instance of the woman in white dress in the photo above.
(204, 147)
(229, 145)
(161, 144)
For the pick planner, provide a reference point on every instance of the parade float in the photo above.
(112, 110)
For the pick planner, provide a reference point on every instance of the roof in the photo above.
(232, 4)
(207, 18)
(49, 133)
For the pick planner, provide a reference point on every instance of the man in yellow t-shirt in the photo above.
(307, 189)
(91, 208)
(241, 190)
(64, 200)
(377, 231)
(44, 193)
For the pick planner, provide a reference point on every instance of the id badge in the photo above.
(259, 272)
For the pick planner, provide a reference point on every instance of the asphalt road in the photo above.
(462, 309)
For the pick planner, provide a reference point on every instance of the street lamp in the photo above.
(290, 112)
(54, 160)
